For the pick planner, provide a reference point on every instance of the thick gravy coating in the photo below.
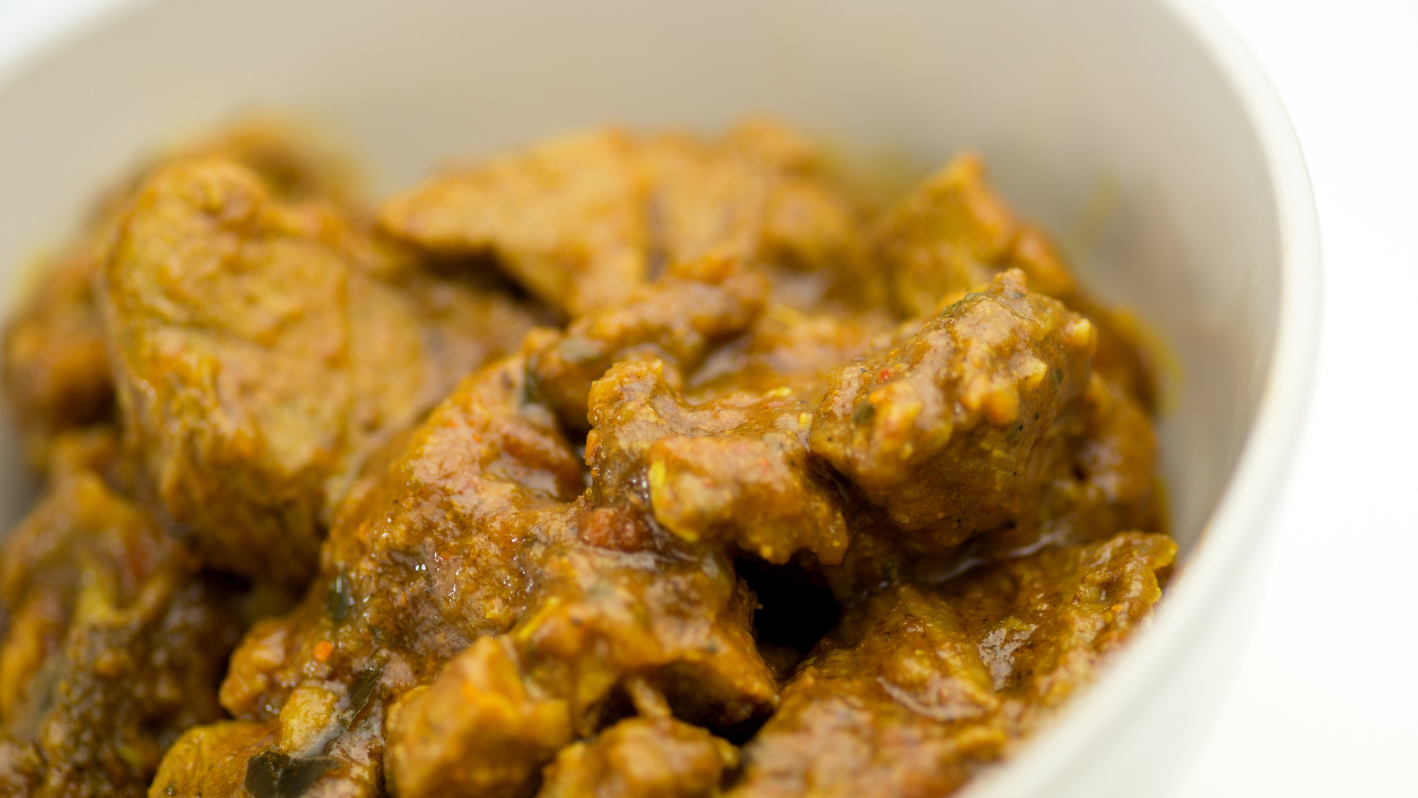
(627, 465)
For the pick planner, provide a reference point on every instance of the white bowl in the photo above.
(1137, 130)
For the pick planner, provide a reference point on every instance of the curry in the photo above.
(625, 465)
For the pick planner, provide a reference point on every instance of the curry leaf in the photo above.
(363, 688)
(271, 774)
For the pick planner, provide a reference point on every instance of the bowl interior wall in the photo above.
(1101, 118)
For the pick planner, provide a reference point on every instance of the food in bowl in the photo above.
(627, 464)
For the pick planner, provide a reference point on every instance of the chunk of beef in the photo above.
(480, 729)
(615, 606)
(114, 645)
(677, 319)
(953, 232)
(566, 218)
(920, 688)
(262, 349)
(584, 219)
(950, 431)
(642, 757)
(434, 549)
(1105, 484)
(735, 471)
(54, 369)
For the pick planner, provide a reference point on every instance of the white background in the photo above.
(1327, 702)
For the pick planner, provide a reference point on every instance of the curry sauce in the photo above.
(628, 464)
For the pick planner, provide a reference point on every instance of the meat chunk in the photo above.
(1075, 605)
(584, 219)
(787, 349)
(613, 607)
(755, 194)
(433, 550)
(654, 757)
(624, 601)
(953, 233)
(677, 319)
(212, 759)
(760, 195)
(55, 370)
(246, 334)
(755, 487)
(477, 730)
(897, 703)
(566, 218)
(950, 432)
(1106, 482)
(920, 688)
(327, 741)
(231, 352)
(469, 533)
(735, 471)
(113, 644)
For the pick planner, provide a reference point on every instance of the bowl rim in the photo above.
(1240, 524)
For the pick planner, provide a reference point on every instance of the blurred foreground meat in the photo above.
(113, 643)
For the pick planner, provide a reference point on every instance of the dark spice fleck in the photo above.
(340, 600)
(532, 393)
(864, 413)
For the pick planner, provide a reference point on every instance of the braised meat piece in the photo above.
(112, 643)
(678, 319)
(949, 432)
(434, 549)
(953, 232)
(1106, 484)
(566, 218)
(581, 220)
(261, 348)
(616, 609)
(730, 472)
(55, 368)
(642, 757)
(624, 602)
(921, 687)
(480, 729)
